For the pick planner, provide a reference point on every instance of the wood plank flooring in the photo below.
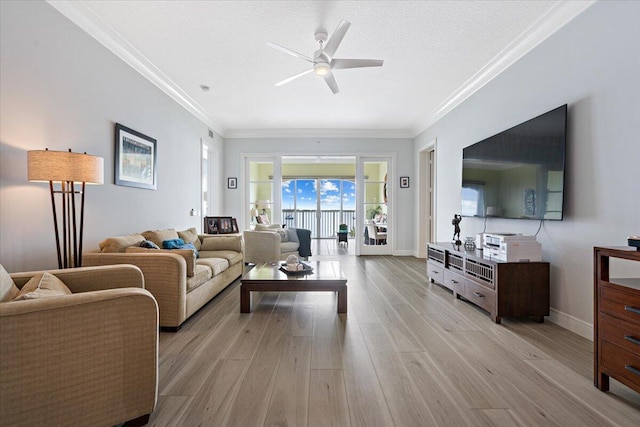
(406, 354)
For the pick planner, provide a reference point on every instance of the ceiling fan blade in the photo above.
(336, 38)
(285, 81)
(338, 64)
(289, 51)
(331, 82)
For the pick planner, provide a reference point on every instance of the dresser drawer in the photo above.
(454, 281)
(620, 304)
(621, 364)
(435, 271)
(480, 296)
(621, 333)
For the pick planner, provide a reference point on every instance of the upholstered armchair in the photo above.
(272, 243)
(89, 358)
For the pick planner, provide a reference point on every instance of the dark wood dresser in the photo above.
(512, 289)
(616, 343)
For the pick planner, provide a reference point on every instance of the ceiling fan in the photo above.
(323, 60)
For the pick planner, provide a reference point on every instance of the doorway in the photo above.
(426, 198)
(319, 204)
(375, 230)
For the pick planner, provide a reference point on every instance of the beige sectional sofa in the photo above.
(180, 282)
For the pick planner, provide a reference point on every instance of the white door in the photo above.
(374, 231)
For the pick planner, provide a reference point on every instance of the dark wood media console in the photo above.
(512, 289)
(616, 343)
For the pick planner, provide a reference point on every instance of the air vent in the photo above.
(210, 133)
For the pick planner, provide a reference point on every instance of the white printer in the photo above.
(511, 247)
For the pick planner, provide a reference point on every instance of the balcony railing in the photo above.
(330, 221)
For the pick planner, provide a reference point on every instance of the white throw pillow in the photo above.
(8, 289)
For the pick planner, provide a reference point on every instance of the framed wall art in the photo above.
(232, 183)
(135, 159)
(404, 182)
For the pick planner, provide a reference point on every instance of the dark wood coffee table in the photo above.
(326, 276)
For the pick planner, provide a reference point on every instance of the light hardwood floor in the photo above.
(407, 353)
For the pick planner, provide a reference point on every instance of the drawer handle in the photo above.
(632, 339)
(632, 309)
(453, 281)
(632, 369)
(435, 271)
(478, 294)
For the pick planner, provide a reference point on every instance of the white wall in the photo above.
(593, 65)
(236, 148)
(61, 89)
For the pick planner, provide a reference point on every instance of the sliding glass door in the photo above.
(319, 205)
(375, 232)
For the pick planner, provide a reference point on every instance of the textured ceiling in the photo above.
(431, 49)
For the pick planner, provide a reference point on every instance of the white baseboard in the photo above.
(406, 252)
(571, 323)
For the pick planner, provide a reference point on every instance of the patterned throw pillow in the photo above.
(284, 237)
(42, 285)
(148, 244)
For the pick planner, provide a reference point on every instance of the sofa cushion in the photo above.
(217, 265)
(42, 285)
(268, 227)
(289, 247)
(222, 243)
(292, 235)
(159, 236)
(8, 289)
(233, 257)
(190, 236)
(201, 274)
(120, 243)
(187, 254)
(284, 236)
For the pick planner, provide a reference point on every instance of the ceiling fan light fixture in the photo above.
(321, 69)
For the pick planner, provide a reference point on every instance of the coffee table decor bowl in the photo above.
(296, 269)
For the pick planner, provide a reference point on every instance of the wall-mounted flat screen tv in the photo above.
(518, 173)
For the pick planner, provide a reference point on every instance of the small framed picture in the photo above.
(404, 182)
(210, 225)
(232, 183)
(225, 225)
(235, 225)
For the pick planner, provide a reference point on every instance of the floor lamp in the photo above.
(68, 169)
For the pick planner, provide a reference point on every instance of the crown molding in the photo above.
(319, 133)
(86, 19)
(546, 26)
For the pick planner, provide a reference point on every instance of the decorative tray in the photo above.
(307, 270)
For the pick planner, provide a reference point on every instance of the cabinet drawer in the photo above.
(454, 281)
(620, 304)
(480, 296)
(621, 364)
(435, 271)
(620, 333)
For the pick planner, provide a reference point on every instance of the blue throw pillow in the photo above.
(173, 244)
(148, 244)
(192, 247)
(180, 244)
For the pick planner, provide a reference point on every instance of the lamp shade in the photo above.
(47, 165)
